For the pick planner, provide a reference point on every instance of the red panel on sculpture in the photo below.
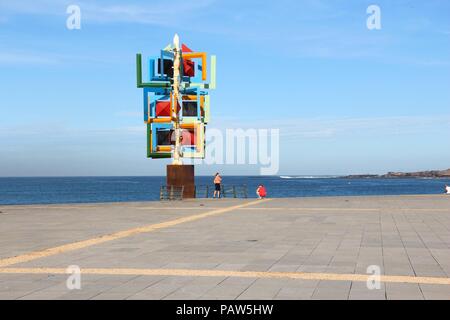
(184, 48)
(163, 108)
(188, 137)
(188, 68)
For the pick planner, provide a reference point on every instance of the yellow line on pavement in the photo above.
(347, 209)
(176, 208)
(314, 209)
(118, 235)
(230, 273)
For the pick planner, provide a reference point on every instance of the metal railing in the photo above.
(226, 191)
(171, 193)
(203, 191)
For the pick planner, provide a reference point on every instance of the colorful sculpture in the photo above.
(176, 101)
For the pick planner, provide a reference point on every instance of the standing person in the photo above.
(447, 189)
(261, 192)
(217, 182)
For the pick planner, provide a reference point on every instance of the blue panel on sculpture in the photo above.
(151, 69)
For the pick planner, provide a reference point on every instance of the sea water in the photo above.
(46, 190)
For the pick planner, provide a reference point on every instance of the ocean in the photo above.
(44, 190)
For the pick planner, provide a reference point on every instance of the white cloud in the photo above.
(48, 7)
(128, 114)
(9, 58)
(162, 13)
(324, 128)
(19, 57)
(370, 126)
(43, 131)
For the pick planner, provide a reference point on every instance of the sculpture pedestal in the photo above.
(182, 175)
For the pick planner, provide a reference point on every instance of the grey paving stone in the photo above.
(403, 291)
(282, 235)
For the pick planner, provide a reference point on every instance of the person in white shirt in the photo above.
(447, 189)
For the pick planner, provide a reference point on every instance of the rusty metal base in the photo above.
(182, 175)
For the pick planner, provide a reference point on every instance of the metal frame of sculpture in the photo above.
(176, 101)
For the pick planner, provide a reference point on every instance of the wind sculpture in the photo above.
(176, 108)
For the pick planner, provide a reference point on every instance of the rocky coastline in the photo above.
(418, 174)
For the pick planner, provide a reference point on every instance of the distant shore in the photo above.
(418, 174)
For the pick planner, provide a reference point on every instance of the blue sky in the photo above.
(346, 99)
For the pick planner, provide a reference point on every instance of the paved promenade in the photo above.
(296, 248)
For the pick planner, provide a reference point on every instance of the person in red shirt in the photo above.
(261, 192)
